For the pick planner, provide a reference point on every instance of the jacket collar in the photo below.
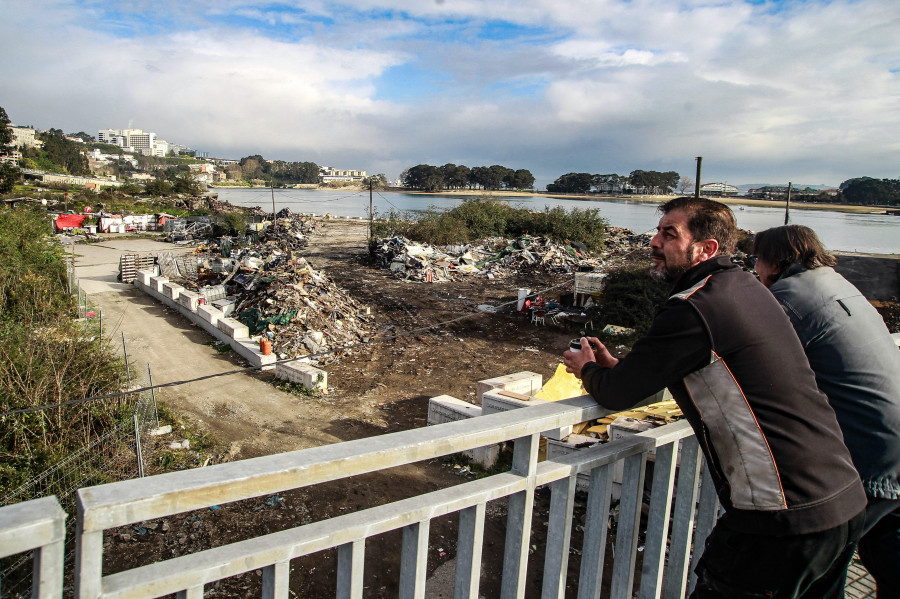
(701, 271)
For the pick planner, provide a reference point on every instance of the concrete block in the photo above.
(557, 448)
(248, 349)
(485, 456)
(233, 328)
(172, 290)
(526, 383)
(189, 299)
(226, 306)
(496, 400)
(144, 276)
(302, 373)
(157, 283)
(444, 408)
(501, 400)
(210, 314)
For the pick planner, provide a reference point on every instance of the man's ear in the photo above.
(708, 248)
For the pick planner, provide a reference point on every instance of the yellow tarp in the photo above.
(562, 385)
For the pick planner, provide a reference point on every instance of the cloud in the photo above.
(781, 90)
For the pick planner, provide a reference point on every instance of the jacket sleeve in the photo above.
(676, 345)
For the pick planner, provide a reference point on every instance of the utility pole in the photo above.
(697, 182)
(371, 214)
(787, 205)
(273, 206)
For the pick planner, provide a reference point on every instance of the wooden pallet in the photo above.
(129, 264)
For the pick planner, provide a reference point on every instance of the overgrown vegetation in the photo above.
(487, 217)
(47, 356)
(631, 296)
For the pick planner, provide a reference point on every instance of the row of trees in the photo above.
(452, 176)
(866, 191)
(275, 172)
(637, 182)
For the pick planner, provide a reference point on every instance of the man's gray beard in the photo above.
(666, 275)
(661, 274)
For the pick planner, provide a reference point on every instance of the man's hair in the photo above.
(707, 219)
(782, 246)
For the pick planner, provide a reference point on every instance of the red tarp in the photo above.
(69, 221)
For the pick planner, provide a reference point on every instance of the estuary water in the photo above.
(840, 231)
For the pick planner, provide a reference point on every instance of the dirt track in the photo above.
(384, 389)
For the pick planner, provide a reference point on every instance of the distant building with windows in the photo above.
(328, 174)
(718, 189)
(24, 137)
(137, 141)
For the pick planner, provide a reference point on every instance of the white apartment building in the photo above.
(718, 189)
(24, 137)
(328, 173)
(135, 140)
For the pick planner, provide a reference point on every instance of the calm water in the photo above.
(874, 233)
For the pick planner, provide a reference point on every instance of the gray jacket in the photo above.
(857, 365)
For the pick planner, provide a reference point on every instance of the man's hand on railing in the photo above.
(592, 350)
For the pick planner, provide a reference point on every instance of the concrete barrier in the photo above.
(207, 317)
(303, 373)
(234, 328)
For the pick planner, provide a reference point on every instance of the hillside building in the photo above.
(718, 189)
(328, 174)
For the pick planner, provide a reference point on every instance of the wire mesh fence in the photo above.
(110, 456)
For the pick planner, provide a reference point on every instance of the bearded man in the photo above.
(794, 505)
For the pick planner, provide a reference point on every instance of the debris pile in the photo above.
(653, 415)
(274, 291)
(497, 257)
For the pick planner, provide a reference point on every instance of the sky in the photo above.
(765, 91)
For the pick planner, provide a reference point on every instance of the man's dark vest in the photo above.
(772, 441)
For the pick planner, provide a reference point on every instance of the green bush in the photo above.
(631, 297)
(46, 356)
(486, 217)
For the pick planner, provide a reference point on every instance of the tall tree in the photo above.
(571, 183)
(9, 174)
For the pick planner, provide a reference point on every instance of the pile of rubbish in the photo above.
(497, 257)
(274, 291)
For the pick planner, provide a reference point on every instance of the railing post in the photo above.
(276, 580)
(596, 527)
(658, 521)
(38, 526)
(559, 533)
(468, 552)
(707, 514)
(191, 593)
(88, 558)
(414, 561)
(350, 570)
(628, 524)
(683, 519)
(518, 520)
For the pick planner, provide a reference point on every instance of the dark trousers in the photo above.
(737, 565)
(879, 546)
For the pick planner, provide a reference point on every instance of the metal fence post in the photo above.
(137, 444)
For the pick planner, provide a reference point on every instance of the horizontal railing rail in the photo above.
(109, 506)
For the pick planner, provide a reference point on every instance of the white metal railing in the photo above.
(38, 526)
(675, 523)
